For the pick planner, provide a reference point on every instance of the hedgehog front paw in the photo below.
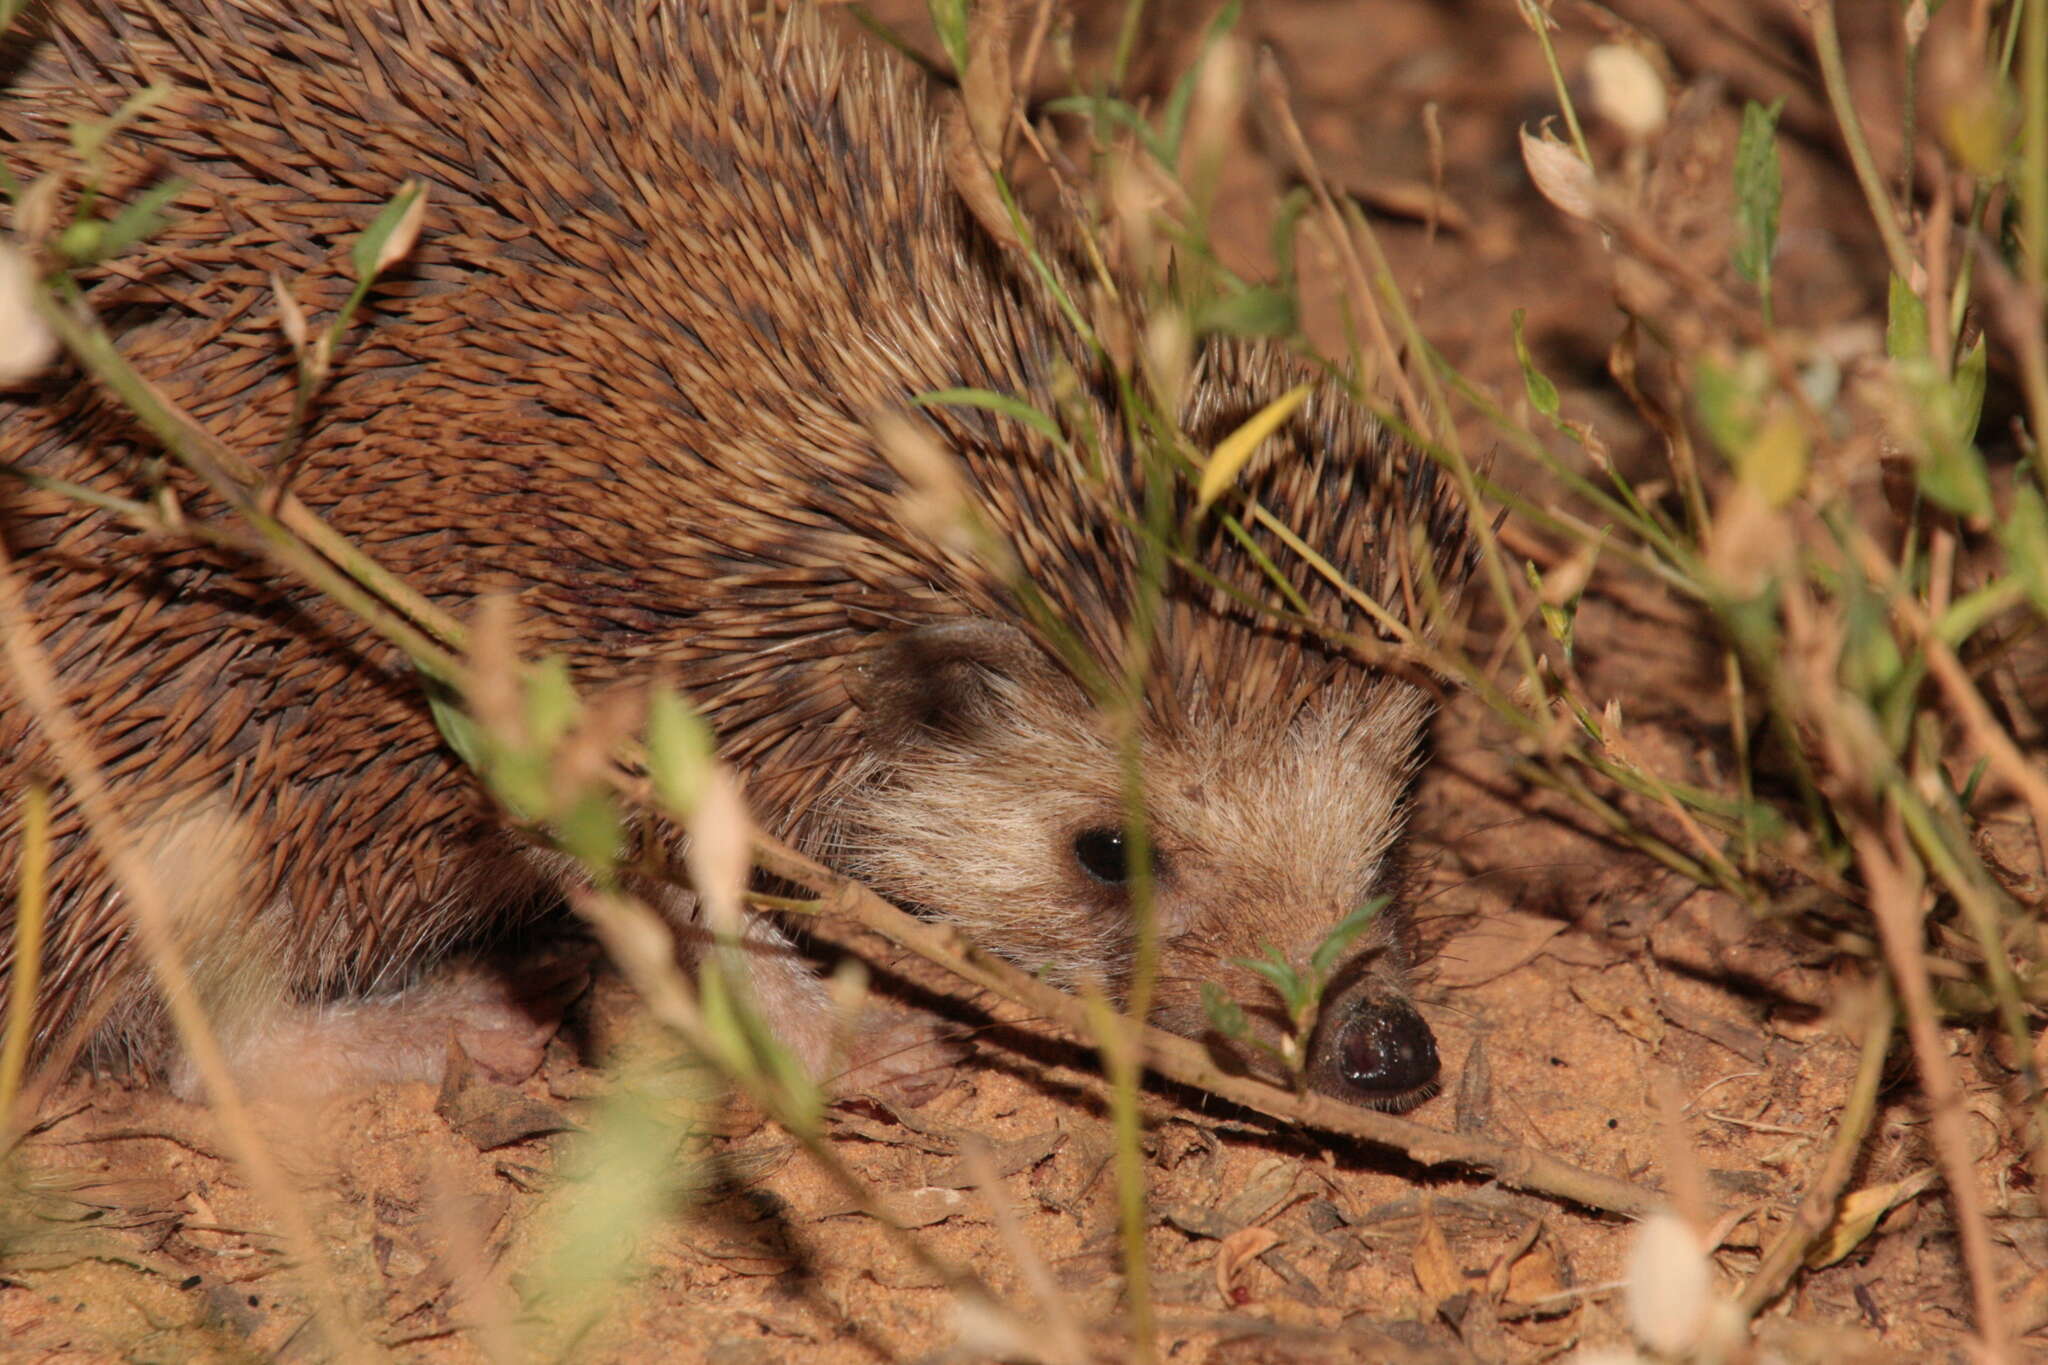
(903, 1057)
(502, 1019)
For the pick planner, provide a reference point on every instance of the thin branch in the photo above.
(1817, 1210)
(1183, 1059)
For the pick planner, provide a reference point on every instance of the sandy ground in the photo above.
(1588, 1002)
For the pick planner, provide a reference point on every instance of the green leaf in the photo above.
(522, 781)
(1729, 402)
(1774, 463)
(1969, 791)
(1174, 119)
(1969, 381)
(1559, 620)
(363, 256)
(1225, 1014)
(1905, 328)
(1870, 660)
(1118, 115)
(1280, 975)
(83, 240)
(1542, 393)
(1324, 959)
(140, 220)
(803, 1101)
(949, 17)
(1014, 408)
(551, 705)
(1297, 990)
(87, 138)
(722, 1028)
(679, 751)
(1297, 202)
(590, 831)
(1758, 195)
(463, 734)
(2025, 537)
(1261, 311)
(1954, 476)
(1950, 469)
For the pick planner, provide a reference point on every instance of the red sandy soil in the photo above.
(1588, 1001)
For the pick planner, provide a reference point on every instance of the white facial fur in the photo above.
(1267, 829)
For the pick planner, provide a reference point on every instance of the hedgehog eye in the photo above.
(1101, 855)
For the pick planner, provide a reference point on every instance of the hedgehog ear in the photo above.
(947, 679)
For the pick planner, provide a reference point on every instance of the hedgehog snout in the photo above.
(1378, 1053)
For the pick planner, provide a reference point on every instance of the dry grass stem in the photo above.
(1897, 899)
(36, 687)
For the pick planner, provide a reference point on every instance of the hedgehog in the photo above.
(677, 259)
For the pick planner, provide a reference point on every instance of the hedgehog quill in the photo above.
(677, 259)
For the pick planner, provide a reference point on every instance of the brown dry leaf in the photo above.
(909, 1208)
(1239, 1249)
(1497, 1274)
(1008, 1159)
(969, 174)
(1416, 199)
(1635, 1019)
(988, 85)
(1858, 1216)
(406, 234)
(721, 851)
(923, 1207)
(1472, 1111)
(27, 345)
(1436, 1270)
(746, 1255)
(1270, 1184)
(1748, 543)
(1536, 1280)
(290, 316)
(1559, 175)
(1495, 948)
(490, 1116)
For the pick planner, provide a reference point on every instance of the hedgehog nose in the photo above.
(1384, 1056)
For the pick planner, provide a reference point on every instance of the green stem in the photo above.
(2034, 146)
(1538, 20)
(1827, 43)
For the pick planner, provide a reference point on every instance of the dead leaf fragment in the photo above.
(1007, 1158)
(1236, 1251)
(1631, 1017)
(908, 1208)
(1559, 175)
(1270, 1184)
(1536, 1280)
(1857, 1217)
(1436, 1270)
(27, 345)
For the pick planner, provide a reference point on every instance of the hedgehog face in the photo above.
(992, 796)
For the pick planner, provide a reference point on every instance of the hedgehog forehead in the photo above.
(1342, 756)
(1216, 769)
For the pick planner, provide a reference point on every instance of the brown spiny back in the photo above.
(674, 258)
